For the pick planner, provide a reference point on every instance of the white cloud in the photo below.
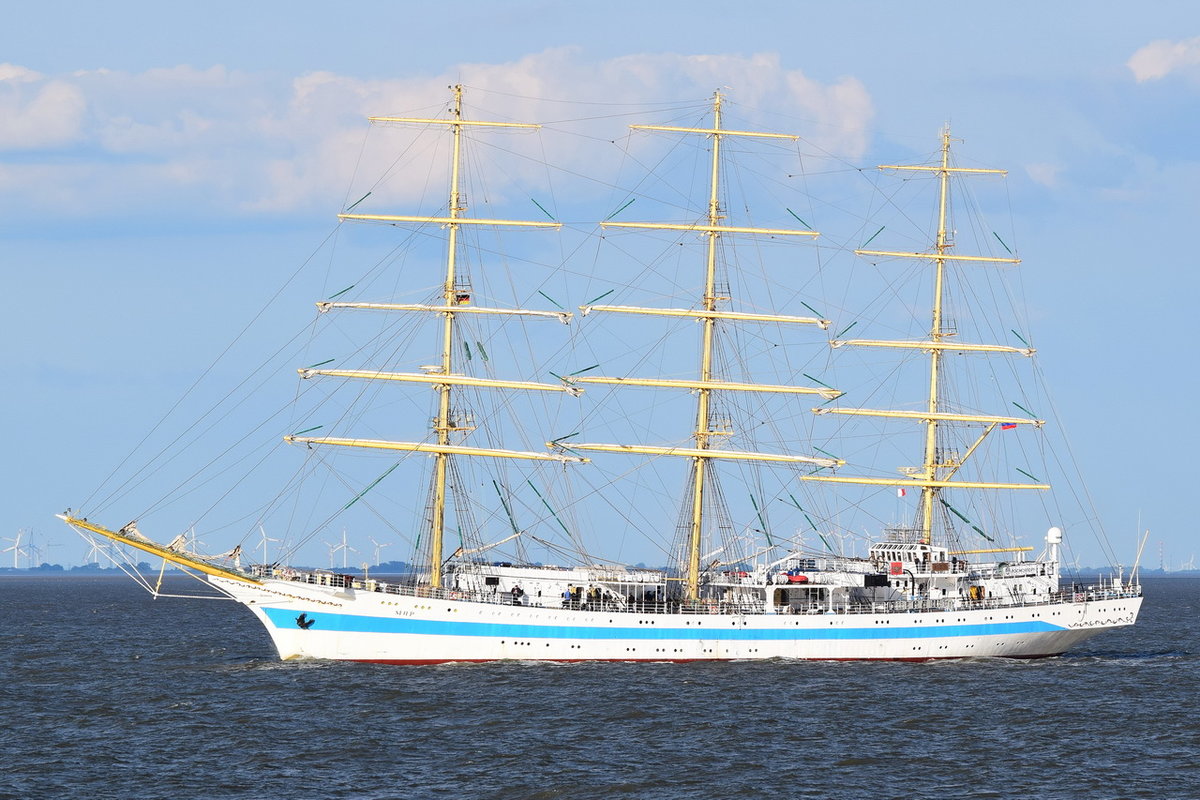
(36, 113)
(324, 119)
(216, 141)
(1162, 57)
(1045, 174)
(14, 73)
(834, 115)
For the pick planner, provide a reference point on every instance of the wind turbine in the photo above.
(92, 556)
(39, 550)
(379, 546)
(344, 547)
(265, 539)
(16, 548)
(192, 544)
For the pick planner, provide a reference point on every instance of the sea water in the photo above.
(109, 693)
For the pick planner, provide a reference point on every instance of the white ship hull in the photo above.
(322, 622)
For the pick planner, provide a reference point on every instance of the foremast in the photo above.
(938, 465)
(443, 380)
(703, 452)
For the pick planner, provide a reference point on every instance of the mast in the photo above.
(936, 334)
(706, 383)
(938, 465)
(703, 421)
(442, 426)
(444, 379)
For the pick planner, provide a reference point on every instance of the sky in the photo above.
(160, 162)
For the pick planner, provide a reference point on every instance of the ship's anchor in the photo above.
(303, 622)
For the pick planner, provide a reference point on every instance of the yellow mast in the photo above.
(935, 472)
(707, 315)
(929, 493)
(444, 378)
(442, 427)
(700, 464)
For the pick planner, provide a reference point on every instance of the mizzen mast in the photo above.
(444, 378)
(938, 465)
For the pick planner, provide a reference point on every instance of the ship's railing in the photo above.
(902, 534)
(1075, 594)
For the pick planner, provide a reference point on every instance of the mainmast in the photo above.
(939, 464)
(702, 451)
(444, 379)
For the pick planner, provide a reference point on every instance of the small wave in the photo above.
(268, 664)
(1125, 655)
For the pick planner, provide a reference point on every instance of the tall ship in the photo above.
(945, 577)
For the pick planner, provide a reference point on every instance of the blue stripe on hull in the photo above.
(350, 623)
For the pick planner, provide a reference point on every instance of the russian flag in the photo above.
(1008, 426)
